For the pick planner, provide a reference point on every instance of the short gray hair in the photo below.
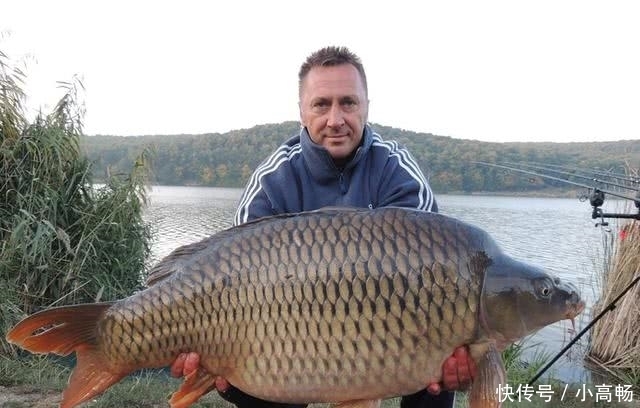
(328, 57)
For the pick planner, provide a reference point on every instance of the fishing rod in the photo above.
(607, 309)
(596, 196)
(617, 176)
(566, 173)
(575, 183)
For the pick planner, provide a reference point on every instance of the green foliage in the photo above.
(521, 369)
(62, 240)
(228, 159)
(33, 370)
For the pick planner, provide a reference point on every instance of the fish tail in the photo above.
(59, 330)
(63, 330)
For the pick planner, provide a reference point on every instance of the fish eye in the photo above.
(544, 287)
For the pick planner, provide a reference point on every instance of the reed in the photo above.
(614, 347)
(62, 240)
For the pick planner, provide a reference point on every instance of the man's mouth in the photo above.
(341, 136)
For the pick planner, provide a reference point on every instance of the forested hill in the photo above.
(228, 159)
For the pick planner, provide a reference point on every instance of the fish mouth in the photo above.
(574, 311)
(574, 304)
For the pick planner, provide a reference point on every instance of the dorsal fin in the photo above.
(171, 263)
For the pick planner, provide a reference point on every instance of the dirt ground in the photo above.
(23, 397)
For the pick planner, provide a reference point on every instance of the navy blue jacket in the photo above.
(301, 176)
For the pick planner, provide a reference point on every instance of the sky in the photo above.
(498, 71)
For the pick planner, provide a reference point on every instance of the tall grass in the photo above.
(62, 240)
(614, 348)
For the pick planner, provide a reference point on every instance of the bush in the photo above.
(62, 240)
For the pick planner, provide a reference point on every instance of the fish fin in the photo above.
(59, 330)
(63, 330)
(359, 404)
(160, 273)
(89, 378)
(172, 263)
(491, 376)
(195, 385)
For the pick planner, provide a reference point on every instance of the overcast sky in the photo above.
(487, 70)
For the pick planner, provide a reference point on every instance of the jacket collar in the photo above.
(320, 163)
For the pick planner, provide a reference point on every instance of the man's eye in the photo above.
(349, 104)
(320, 106)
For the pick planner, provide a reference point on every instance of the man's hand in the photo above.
(186, 363)
(458, 371)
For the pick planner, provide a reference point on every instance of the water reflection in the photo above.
(555, 234)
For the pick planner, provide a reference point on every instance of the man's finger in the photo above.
(434, 388)
(178, 365)
(221, 384)
(450, 374)
(191, 363)
(466, 365)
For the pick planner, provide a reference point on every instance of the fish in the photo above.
(341, 306)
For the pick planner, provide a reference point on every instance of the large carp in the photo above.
(337, 305)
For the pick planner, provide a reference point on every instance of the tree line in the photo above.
(228, 159)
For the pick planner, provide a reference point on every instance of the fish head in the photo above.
(518, 299)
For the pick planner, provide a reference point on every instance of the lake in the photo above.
(557, 234)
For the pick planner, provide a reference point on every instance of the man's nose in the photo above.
(336, 116)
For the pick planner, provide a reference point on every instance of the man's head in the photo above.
(333, 100)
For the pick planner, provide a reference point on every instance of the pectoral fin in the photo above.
(359, 404)
(491, 376)
(194, 386)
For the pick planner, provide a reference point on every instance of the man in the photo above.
(337, 160)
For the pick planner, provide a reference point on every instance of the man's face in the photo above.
(334, 108)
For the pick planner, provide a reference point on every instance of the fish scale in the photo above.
(355, 311)
(327, 306)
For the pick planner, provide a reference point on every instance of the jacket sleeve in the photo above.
(261, 193)
(404, 184)
(254, 204)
